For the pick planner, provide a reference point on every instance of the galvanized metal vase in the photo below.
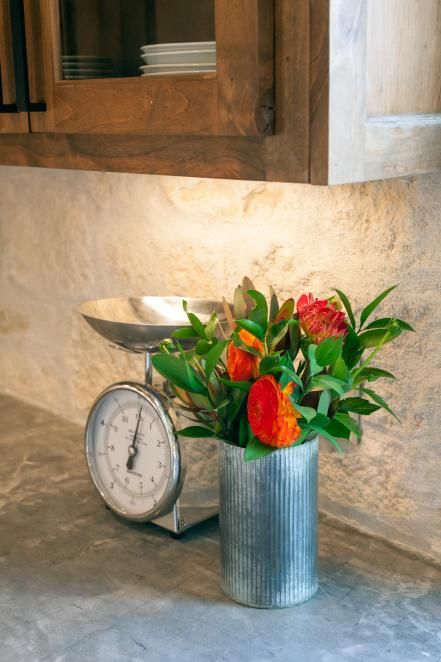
(268, 523)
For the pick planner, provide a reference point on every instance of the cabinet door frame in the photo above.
(10, 122)
(237, 100)
(349, 144)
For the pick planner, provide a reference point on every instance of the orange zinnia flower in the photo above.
(272, 416)
(241, 365)
(320, 319)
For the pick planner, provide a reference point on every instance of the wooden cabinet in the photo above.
(321, 91)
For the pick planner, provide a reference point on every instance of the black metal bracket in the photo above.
(23, 103)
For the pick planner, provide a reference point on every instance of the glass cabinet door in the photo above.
(13, 119)
(158, 67)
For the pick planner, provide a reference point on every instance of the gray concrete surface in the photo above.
(78, 584)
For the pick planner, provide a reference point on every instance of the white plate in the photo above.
(180, 57)
(178, 73)
(80, 58)
(86, 76)
(87, 70)
(179, 46)
(176, 68)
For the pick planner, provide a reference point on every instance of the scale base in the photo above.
(185, 515)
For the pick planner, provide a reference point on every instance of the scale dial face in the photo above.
(132, 452)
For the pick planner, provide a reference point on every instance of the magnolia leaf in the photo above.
(347, 305)
(320, 420)
(213, 357)
(196, 432)
(328, 351)
(195, 323)
(379, 400)
(210, 328)
(237, 398)
(366, 312)
(174, 369)
(228, 315)
(357, 406)
(384, 322)
(292, 376)
(348, 422)
(294, 338)
(239, 304)
(274, 304)
(252, 327)
(286, 311)
(270, 364)
(255, 449)
(277, 332)
(248, 284)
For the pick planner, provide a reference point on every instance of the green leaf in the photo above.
(185, 333)
(259, 314)
(203, 347)
(277, 332)
(195, 322)
(292, 376)
(196, 432)
(324, 402)
(314, 366)
(252, 327)
(379, 400)
(327, 435)
(174, 369)
(238, 342)
(255, 450)
(243, 431)
(348, 422)
(308, 413)
(373, 337)
(236, 400)
(371, 375)
(384, 322)
(320, 420)
(328, 351)
(357, 406)
(321, 382)
(274, 304)
(270, 364)
(242, 386)
(347, 305)
(351, 348)
(366, 312)
(294, 339)
(338, 430)
(213, 356)
(340, 370)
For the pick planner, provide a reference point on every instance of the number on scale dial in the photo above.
(131, 451)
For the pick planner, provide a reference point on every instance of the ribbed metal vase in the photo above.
(268, 524)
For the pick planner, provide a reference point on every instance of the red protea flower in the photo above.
(271, 415)
(241, 365)
(320, 318)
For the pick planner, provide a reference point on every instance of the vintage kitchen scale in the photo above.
(138, 463)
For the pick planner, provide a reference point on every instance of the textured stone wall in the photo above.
(66, 237)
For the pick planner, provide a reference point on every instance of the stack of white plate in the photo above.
(180, 58)
(80, 67)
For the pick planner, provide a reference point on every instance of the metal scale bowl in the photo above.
(138, 463)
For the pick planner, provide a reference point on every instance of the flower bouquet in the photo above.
(268, 382)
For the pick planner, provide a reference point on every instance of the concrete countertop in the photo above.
(76, 583)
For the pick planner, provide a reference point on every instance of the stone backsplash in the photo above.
(66, 237)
